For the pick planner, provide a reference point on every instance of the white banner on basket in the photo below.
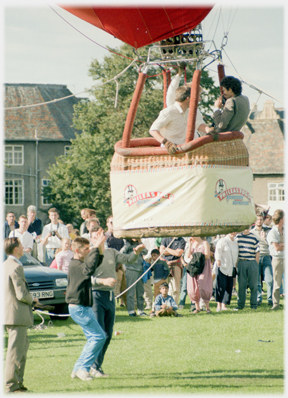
(182, 196)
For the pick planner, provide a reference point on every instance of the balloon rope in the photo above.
(144, 273)
(87, 37)
(72, 95)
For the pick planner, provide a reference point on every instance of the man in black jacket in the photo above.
(79, 298)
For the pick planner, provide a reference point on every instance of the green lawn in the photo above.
(196, 354)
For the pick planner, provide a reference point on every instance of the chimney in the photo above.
(268, 111)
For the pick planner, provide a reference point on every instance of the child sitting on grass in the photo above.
(164, 304)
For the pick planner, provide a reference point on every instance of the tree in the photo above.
(81, 178)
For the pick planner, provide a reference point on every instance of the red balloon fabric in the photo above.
(140, 26)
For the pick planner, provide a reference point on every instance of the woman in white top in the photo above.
(226, 257)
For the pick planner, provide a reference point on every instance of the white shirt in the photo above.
(53, 241)
(227, 252)
(172, 123)
(170, 100)
(274, 237)
(26, 238)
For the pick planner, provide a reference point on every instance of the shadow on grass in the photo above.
(187, 382)
(240, 373)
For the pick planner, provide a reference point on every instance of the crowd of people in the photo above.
(101, 267)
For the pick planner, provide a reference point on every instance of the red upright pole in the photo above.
(193, 105)
(166, 83)
(132, 110)
(221, 73)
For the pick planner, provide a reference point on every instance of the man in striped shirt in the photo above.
(247, 267)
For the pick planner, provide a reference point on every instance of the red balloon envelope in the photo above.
(140, 26)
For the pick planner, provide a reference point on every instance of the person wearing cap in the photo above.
(165, 305)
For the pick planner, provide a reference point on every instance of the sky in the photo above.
(41, 45)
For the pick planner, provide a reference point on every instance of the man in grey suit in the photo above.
(18, 315)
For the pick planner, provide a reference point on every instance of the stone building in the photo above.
(264, 139)
(34, 137)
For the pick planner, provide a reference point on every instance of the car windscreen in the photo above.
(27, 259)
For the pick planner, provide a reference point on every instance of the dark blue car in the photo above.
(47, 284)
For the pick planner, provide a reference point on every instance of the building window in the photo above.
(14, 155)
(276, 192)
(66, 150)
(45, 183)
(14, 192)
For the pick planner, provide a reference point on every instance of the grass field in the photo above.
(220, 353)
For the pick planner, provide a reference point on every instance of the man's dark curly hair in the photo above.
(233, 83)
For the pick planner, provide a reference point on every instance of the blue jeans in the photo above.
(104, 310)
(265, 267)
(95, 336)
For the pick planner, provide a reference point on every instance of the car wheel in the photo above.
(60, 309)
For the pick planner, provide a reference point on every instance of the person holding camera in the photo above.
(52, 235)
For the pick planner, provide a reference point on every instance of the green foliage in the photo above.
(81, 179)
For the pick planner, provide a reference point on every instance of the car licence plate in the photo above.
(42, 294)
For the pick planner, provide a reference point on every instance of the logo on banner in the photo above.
(239, 196)
(153, 198)
(129, 192)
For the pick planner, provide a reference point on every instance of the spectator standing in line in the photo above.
(116, 243)
(200, 286)
(18, 316)
(265, 266)
(24, 236)
(34, 223)
(54, 263)
(64, 257)
(52, 235)
(148, 294)
(91, 224)
(226, 257)
(35, 228)
(71, 231)
(172, 255)
(79, 300)
(103, 295)
(248, 268)
(275, 240)
(161, 272)
(268, 221)
(83, 227)
(10, 224)
(183, 283)
(133, 273)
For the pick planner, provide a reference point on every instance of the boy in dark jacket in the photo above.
(79, 298)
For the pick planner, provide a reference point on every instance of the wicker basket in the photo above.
(232, 153)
